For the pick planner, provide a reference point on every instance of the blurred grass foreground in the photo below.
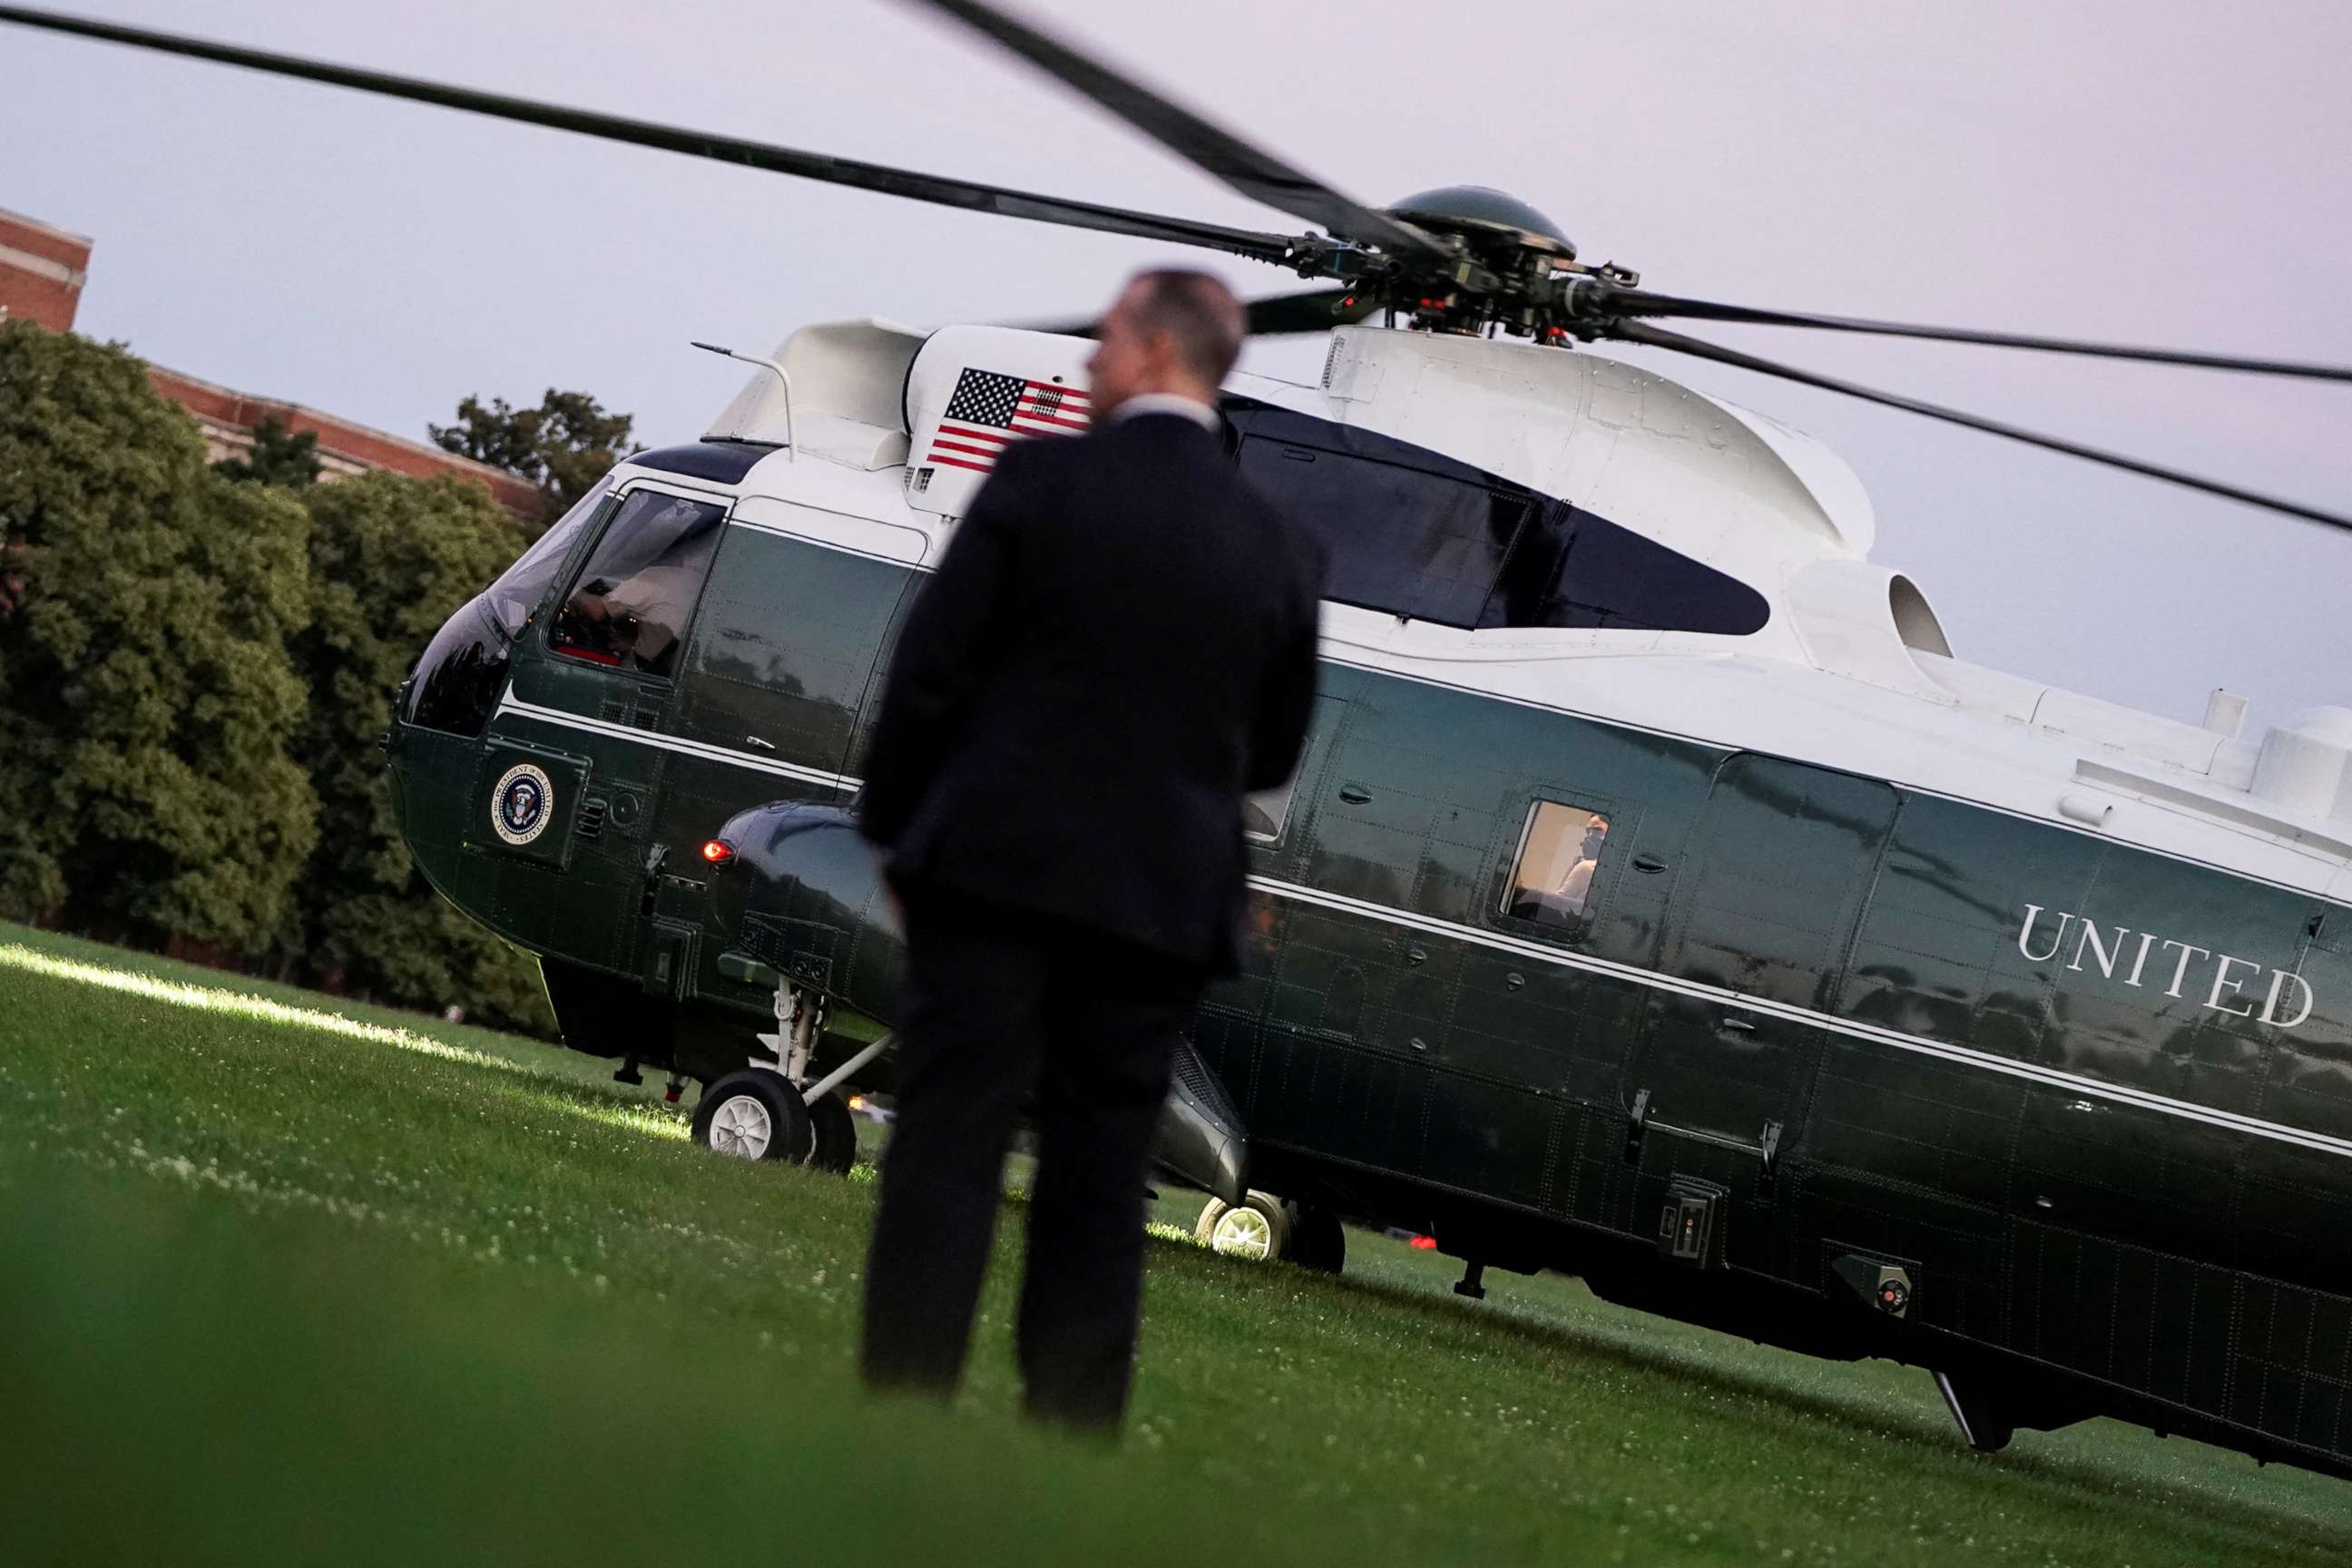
(280, 1284)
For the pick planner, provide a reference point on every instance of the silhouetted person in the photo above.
(1118, 644)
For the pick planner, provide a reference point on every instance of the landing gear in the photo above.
(1254, 1230)
(770, 1110)
(755, 1115)
(1263, 1228)
(836, 1136)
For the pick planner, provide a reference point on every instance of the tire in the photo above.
(836, 1135)
(753, 1115)
(1257, 1231)
(1317, 1241)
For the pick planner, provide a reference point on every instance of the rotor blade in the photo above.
(934, 188)
(1658, 337)
(1618, 302)
(1315, 310)
(1252, 171)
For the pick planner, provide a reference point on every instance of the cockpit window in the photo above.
(629, 607)
(521, 586)
(1559, 852)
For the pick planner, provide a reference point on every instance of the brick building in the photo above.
(42, 271)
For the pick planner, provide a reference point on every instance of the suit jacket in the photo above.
(1118, 644)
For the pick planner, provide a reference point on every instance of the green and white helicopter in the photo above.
(1660, 898)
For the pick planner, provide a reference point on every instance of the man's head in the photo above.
(1171, 330)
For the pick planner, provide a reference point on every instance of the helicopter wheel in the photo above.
(1317, 1241)
(1257, 1230)
(836, 1135)
(755, 1115)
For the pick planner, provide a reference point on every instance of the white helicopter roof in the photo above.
(1851, 668)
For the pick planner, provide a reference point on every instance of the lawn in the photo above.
(284, 1280)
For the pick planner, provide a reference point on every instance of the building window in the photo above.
(630, 606)
(1559, 855)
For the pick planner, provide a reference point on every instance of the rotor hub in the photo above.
(1483, 216)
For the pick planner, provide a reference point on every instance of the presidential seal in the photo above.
(522, 804)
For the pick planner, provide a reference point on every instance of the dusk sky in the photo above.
(2150, 172)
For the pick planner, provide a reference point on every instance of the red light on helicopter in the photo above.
(718, 852)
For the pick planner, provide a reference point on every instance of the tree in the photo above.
(277, 458)
(390, 560)
(564, 445)
(147, 701)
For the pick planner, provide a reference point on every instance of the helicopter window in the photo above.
(1264, 811)
(1415, 533)
(629, 607)
(521, 586)
(1572, 569)
(1559, 851)
(1402, 540)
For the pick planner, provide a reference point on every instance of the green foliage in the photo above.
(277, 458)
(391, 559)
(564, 445)
(147, 699)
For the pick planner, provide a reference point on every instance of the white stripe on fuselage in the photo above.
(1918, 1044)
(510, 703)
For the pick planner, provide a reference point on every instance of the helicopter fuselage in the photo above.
(1657, 898)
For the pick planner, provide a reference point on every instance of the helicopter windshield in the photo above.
(457, 679)
(511, 599)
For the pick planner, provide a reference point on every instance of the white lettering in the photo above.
(2092, 945)
(2025, 934)
(2280, 980)
(2099, 954)
(2222, 978)
(2180, 970)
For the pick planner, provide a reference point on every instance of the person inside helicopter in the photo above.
(1578, 883)
(638, 589)
(1535, 895)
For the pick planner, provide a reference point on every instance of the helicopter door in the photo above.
(587, 711)
(1764, 907)
(787, 642)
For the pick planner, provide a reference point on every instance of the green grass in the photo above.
(283, 1280)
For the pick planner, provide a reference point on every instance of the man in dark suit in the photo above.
(1118, 644)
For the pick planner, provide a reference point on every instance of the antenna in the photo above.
(792, 439)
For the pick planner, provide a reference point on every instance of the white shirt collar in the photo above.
(1174, 403)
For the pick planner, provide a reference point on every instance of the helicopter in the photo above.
(1659, 899)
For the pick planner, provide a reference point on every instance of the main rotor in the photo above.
(1499, 265)
(1462, 259)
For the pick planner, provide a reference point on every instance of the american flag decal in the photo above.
(991, 410)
